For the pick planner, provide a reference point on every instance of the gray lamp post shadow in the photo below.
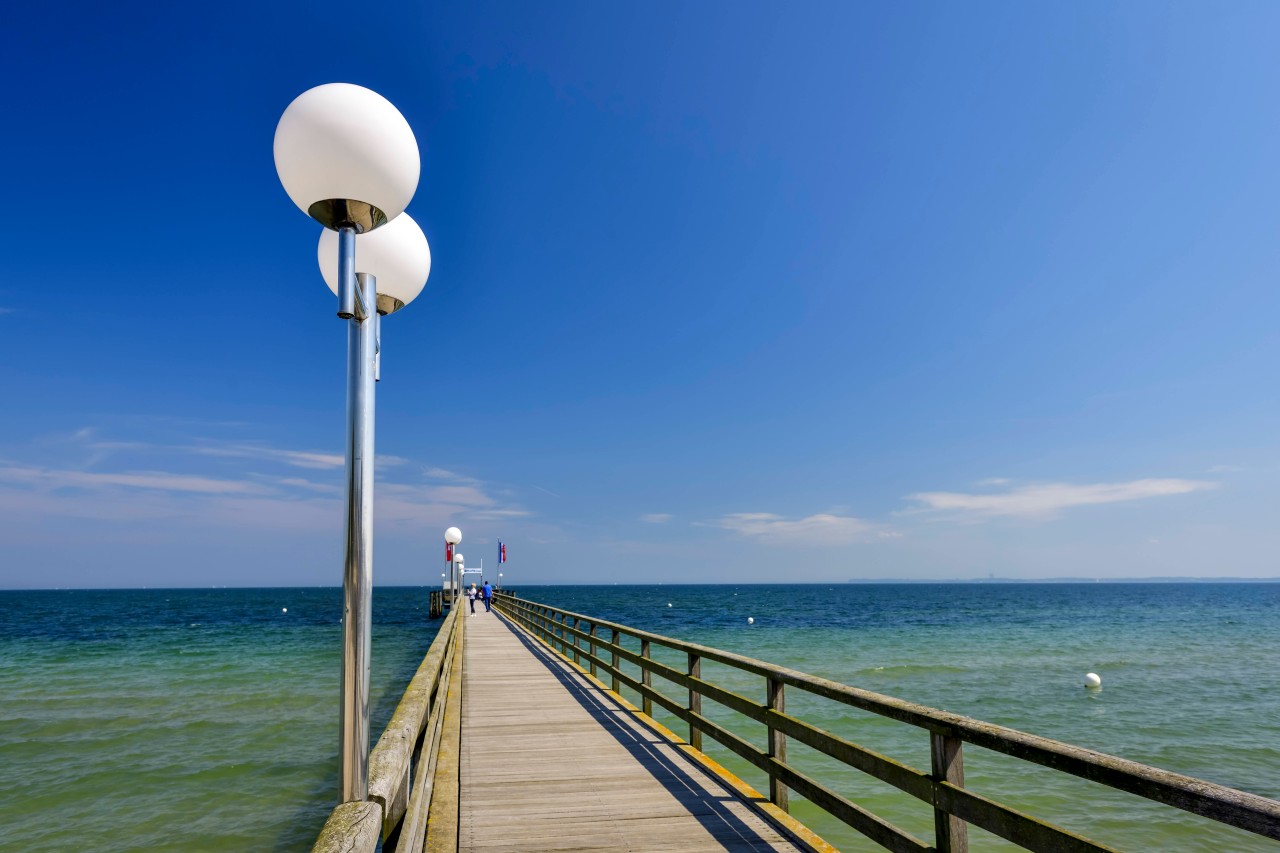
(348, 159)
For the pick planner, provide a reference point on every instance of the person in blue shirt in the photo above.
(488, 596)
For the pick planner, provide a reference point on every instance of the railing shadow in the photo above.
(695, 788)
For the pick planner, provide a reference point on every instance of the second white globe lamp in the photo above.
(397, 255)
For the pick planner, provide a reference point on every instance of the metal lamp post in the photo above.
(452, 537)
(499, 580)
(458, 566)
(348, 159)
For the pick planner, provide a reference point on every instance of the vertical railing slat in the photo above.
(947, 757)
(615, 639)
(695, 701)
(777, 697)
(646, 678)
(594, 635)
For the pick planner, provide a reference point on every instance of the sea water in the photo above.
(207, 719)
(183, 720)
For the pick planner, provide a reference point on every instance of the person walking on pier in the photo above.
(488, 597)
(471, 597)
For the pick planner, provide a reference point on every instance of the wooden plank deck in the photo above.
(550, 761)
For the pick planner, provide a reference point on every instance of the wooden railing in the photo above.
(413, 776)
(596, 645)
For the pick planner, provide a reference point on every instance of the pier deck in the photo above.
(549, 761)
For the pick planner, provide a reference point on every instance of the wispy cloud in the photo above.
(1049, 499)
(657, 517)
(298, 458)
(48, 478)
(1224, 469)
(174, 483)
(312, 459)
(820, 529)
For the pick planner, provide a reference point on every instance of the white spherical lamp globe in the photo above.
(397, 254)
(453, 536)
(457, 558)
(347, 157)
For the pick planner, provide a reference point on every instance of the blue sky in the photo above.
(728, 292)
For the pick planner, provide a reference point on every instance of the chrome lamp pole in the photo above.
(348, 159)
(452, 537)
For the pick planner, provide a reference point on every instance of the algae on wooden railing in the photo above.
(404, 765)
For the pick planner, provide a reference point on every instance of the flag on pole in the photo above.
(448, 552)
(502, 552)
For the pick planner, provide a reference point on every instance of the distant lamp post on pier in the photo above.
(349, 160)
(458, 566)
(452, 537)
(499, 580)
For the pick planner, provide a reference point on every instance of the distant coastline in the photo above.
(1066, 580)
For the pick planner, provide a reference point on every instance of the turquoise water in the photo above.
(182, 720)
(207, 719)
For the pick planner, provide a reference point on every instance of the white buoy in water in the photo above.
(751, 620)
(668, 603)
(1091, 680)
(284, 610)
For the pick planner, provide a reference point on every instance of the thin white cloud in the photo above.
(657, 517)
(443, 474)
(1224, 469)
(1048, 499)
(820, 529)
(240, 500)
(298, 458)
(53, 479)
(498, 514)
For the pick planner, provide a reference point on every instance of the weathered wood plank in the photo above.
(351, 828)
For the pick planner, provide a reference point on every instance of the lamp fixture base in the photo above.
(336, 213)
(388, 304)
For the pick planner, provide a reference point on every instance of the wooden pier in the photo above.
(551, 761)
(514, 736)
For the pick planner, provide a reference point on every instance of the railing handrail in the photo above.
(395, 791)
(1236, 808)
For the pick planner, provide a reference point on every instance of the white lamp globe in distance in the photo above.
(397, 254)
(453, 536)
(347, 157)
(457, 558)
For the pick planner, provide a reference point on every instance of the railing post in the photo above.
(777, 743)
(594, 635)
(695, 701)
(557, 630)
(577, 626)
(948, 766)
(615, 684)
(646, 678)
